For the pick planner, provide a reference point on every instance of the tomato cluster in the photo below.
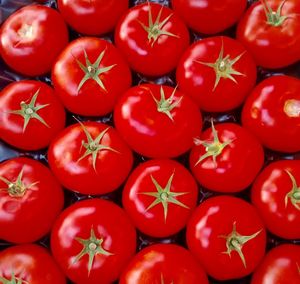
(150, 143)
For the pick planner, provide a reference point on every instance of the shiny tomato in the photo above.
(30, 115)
(30, 200)
(90, 158)
(90, 75)
(159, 197)
(32, 38)
(152, 38)
(92, 241)
(272, 113)
(157, 121)
(228, 237)
(163, 263)
(270, 30)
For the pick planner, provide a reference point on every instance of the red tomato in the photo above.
(90, 75)
(276, 195)
(90, 158)
(30, 200)
(270, 30)
(157, 121)
(159, 197)
(280, 265)
(32, 38)
(217, 72)
(30, 115)
(92, 241)
(95, 17)
(272, 113)
(228, 237)
(209, 16)
(152, 38)
(163, 263)
(29, 264)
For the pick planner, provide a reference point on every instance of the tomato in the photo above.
(163, 263)
(90, 75)
(85, 158)
(92, 241)
(270, 30)
(215, 16)
(152, 38)
(228, 237)
(30, 200)
(30, 115)
(159, 197)
(272, 113)
(92, 17)
(157, 121)
(29, 264)
(32, 38)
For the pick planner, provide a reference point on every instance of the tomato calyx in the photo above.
(235, 242)
(292, 108)
(13, 280)
(274, 18)
(294, 194)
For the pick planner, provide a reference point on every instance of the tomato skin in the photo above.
(271, 47)
(215, 15)
(49, 36)
(169, 262)
(36, 135)
(132, 40)
(214, 218)
(152, 222)
(198, 80)
(76, 222)
(271, 113)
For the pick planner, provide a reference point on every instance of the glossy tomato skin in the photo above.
(31, 39)
(92, 17)
(152, 133)
(110, 223)
(91, 99)
(152, 221)
(271, 46)
(216, 15)
(163, 263)
(78, 174)
(211, 222)
(36, 135)
(149, 57)
(199, 80)
(271, 113)
(280, 265)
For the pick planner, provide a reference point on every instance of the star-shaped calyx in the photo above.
(236, 241)
(13, 280)
(274, 18)
(91, 247)
(29, 111)
(294, 194)
(155, 28)
(164, 195)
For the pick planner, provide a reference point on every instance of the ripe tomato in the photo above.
(32, 38)
(272, 113)
(209, 17)
(228, 237)
(159, 197)
(90, 158)
(163, 263)
(270, 30)
(29, 264)
(217, 72)
(225, 153)
(30, 200)
(90, 75)
(30, 115)
(157, 121)
(92, 241)
(92, 17)
(152, 38)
